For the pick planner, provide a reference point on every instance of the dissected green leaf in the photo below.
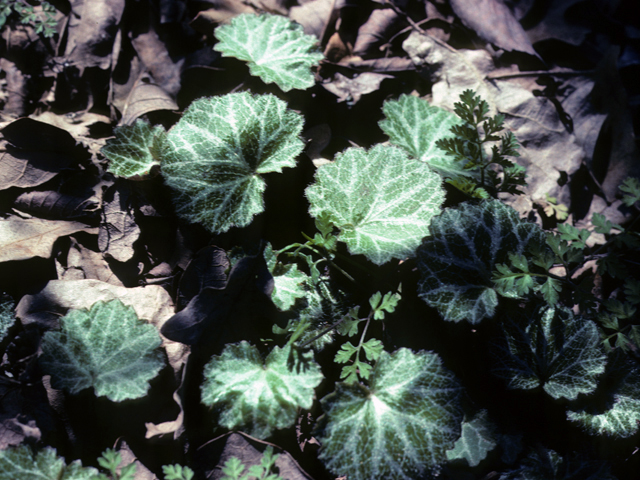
(466, 244)
(107, 348)
(631, 191)
(136, 149)
(218, 151)
(255, 396)
(397, 427)
(478, 438)
(381, 201)
(17, 463)
(622, 419)
(415, 126)
(555, 350)
(177, 472)
(276, 49)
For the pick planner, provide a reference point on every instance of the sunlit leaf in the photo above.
(107, 348)
(259, 397)
(218, 152)
(396, 428)
(20, 463)
(381, 201)
(478, 438)
(276, 49)
(135, 150)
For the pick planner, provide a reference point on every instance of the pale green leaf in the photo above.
(259, 397)
(415, 126)
(478, 438)
(107, 348)
(276, 49)
(289, 282)
(17, 463)
(177, 472)
(622, 419)
(135, 150)
(381, 201)
(218, 151)
(555, 350)
(396, 428)
(466, 245)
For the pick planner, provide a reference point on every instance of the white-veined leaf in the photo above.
(623, 418)
(289, 282)
(466, 243)
(135, 150)
(18, 463)
(381, 200)
(415, 126)
(277, 50)
(478, 438)
(107, 348)
(555, 350)
(396, 428)
(218, 151)
(259, 397)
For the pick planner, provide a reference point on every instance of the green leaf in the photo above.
(218, 151)
(345, 353)
(107, 348)
(7, 317)
(478, 438)
(381, 201)
(373, 349)
(415, 126)
(17, 463)
(631, 190)
(466, 245)
(400, 425)
(289, 282)
(259, 398)
(388, 304)
(622, 419)
(555, 350)
(276, 49)
(177, 472)
(136, 149)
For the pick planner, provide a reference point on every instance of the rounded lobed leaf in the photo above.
(218, 150)
(20, 463)
(399, 426)
(466, 243)
(107, 348)
(135, 150)
(276, 49)
(415, 126)
(259, 398)
(560, 352)
(381, 200)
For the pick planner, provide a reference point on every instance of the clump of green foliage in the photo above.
(41, 18)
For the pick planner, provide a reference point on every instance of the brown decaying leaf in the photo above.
(555, 24)
(55, 205)
(206, 20)
(313, 16)
(494, 23)
(379, 27)
(25, 238)
(24, 169)
(118, 228)
(351, 89)
(91, 37)
(16, 89)
(143, 98)
(154, 55)
(208, 268)
(81, 263)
